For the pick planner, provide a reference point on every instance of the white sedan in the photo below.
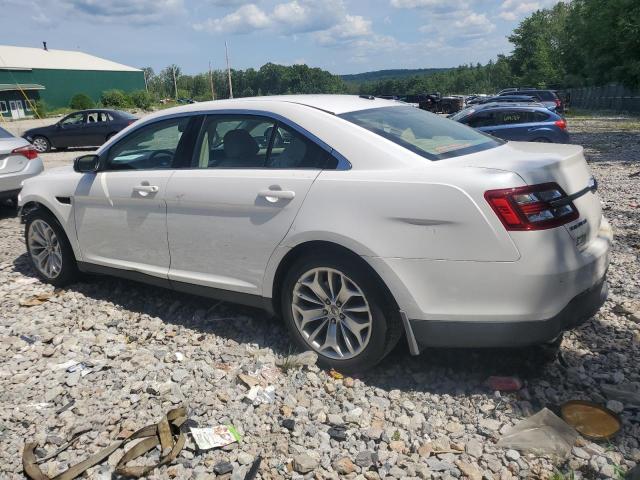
(358, 220)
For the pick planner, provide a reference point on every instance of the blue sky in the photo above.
(342, 36)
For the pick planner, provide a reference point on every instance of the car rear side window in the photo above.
(422, 132)
(482, 119)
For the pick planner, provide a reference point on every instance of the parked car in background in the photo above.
(520, 122)
(358, 220)
(18, 161)
(510, 98)
(84, 128)
(547, 97)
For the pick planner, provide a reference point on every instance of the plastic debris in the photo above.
(259, 395)
(214, 437)
(335, 375)
(504, 384)
(542, 434)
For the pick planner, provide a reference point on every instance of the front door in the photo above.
(120, 212)
(69, 131)
(230, 210)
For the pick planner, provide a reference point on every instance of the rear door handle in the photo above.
(274, 195)
(145, 190)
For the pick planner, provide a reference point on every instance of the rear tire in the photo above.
(49, 249)
(41, 144)
(352, 336)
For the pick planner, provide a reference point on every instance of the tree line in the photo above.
(584, 42)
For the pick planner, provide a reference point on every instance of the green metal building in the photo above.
(54, 76)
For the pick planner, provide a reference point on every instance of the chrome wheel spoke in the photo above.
(332, 314)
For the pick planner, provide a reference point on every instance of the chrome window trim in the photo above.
(343, 163)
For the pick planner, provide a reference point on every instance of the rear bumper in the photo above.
(12, 182)
(433, 333)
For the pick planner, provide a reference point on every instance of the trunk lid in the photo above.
(539, 163)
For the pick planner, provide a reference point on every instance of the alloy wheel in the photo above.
(45, 248)
(331, 313)
(40, 144)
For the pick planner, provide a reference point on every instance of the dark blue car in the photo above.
(520, 122)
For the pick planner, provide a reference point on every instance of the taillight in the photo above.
(27, 151)
(562, 123)
(535, 207)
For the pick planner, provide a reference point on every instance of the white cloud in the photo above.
(297, 16)
(512, 10)
(474, 25)
(128, 11)
(351, 28)
(245, 19)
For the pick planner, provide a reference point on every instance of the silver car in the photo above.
(19, 160)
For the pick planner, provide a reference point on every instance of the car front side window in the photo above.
(73, 119)
(157, 146)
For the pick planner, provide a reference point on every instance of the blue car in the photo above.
(512, 121)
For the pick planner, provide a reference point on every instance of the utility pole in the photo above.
(213, 92)
(175, 83)
(146, 83)
(226, 51)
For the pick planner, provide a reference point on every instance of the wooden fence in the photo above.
(610, 97)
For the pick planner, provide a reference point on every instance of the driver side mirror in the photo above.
(87, 163)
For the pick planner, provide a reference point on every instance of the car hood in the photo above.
(37, 130)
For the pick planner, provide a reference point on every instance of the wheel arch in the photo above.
(46, 137)
(33, 204)
(313, 247)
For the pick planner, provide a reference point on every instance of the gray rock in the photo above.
(303, 463)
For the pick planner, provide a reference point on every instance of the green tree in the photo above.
(81, 101)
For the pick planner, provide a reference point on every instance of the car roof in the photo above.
(335, 104)
(533, 106)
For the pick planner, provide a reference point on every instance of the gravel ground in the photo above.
(147, 350)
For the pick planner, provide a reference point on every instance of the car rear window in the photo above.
(4, 133)
(424, 133)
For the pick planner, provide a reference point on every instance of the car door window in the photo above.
(233, 142)
(512, 117)
(290, 149)
(482, 119)
(73, 120)
(155, 146)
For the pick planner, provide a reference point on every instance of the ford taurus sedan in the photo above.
(84, 128)
(358, 220)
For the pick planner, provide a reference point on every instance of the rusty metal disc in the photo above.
(591, 420)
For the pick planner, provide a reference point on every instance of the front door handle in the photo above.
(145, 190)
(274, 195)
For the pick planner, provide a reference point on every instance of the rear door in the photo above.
(231, 207)
(511, 124)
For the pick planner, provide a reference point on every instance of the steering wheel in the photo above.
(169, 157)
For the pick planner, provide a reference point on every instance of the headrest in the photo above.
(239, 144)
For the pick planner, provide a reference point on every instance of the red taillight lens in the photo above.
(27, 151)
(533, 207)
(562, 123)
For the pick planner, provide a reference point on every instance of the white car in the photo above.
(19, 160)
(358, 220)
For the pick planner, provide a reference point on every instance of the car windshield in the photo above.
(424, 133)
(4, 133)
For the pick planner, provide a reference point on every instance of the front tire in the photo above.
(41, 144)
(335, 307)
(49, 249)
